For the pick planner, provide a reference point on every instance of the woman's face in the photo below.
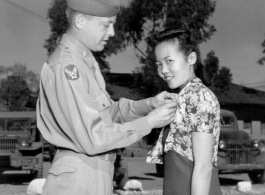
(172, 65)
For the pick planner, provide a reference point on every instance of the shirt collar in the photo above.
(187, 82)
(179, 89)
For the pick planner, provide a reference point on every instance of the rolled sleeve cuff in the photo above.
(142, 107)
(141, 126)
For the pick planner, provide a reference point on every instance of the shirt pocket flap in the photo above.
(60, 169)
(103, 102)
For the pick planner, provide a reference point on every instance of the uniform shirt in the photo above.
(74, 111)
(198, 110)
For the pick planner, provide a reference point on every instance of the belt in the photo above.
(107, 156)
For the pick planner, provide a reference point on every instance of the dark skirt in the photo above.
(178, 176)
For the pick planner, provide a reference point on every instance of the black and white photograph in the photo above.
(132, 97)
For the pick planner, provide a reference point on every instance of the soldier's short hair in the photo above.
(71, 15)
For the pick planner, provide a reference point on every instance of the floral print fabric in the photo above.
(198, 111)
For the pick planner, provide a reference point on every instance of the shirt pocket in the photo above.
(63, 173)
(62, 179)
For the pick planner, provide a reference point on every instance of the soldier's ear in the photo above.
(79, 21)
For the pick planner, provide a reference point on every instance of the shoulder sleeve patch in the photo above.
(71, 72)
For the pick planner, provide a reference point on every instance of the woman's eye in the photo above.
(168, 61)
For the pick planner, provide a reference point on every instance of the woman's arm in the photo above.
(202, 146)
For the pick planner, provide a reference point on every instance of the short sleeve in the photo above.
(202, 111)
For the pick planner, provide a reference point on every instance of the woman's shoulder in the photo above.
(197, 91)
(196, 86)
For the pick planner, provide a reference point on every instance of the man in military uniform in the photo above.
(76, 114)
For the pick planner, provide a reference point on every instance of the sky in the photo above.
(240, 28)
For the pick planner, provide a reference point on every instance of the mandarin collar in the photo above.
(77, 47)
(179, 89)
(187, 82)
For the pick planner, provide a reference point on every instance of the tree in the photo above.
(211, 67)
(144, 18)
(135, 25)
(16, 85)
(262, 59)
(58, 25)
(223, 80)
(219, 78)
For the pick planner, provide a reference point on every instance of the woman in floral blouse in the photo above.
(188, 146)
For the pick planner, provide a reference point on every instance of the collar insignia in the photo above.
(71, 72)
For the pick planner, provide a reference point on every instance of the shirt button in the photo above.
(57, 179)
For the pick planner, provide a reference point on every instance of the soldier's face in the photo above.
(97, 31)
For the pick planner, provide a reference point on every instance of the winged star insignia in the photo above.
(71, 72)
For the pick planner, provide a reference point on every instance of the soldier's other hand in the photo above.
(162, 115)
(162, 98)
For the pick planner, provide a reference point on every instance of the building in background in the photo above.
(259, 87)
(248, 104)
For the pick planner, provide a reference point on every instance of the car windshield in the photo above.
(227, 121)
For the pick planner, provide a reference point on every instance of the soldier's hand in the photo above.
(162, 98)
(162, 115)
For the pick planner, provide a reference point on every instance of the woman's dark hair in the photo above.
(186, 44)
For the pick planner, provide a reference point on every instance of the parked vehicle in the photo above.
(21, 145)
(237, 152)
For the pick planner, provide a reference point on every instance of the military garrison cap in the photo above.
(100, 8)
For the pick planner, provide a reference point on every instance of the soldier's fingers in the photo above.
(171, 112)
(168, 100)
(170, 104)
(170, 118)
(171, 96)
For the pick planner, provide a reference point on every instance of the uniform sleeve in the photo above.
(85, 126)
(126, 110)
(202, 111)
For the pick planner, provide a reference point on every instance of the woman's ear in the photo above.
(192, 58)
(79, 21)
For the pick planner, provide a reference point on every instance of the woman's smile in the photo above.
(168, 78)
